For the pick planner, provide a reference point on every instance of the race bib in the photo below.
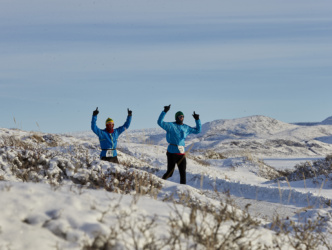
(109, 153)
(181, 149)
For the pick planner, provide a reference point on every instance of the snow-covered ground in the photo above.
(56, 193)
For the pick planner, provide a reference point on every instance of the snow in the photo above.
(287, 163)
(56, 193)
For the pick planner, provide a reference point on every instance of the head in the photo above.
(179, 117)
(109, 124)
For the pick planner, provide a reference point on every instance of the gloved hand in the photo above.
(130, 113)
(166, 108)
(196, 116)
(96, 112)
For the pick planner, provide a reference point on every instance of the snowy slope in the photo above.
(327, 121)
(247, 127)
(76, 199)
(261, 136)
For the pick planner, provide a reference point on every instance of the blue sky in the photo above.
(61, 59)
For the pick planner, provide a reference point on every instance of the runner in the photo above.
(108, 137)
(175, 136)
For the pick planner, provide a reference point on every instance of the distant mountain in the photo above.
(243, 128)
(327, 121)
(307, 123)
(263, 136)
(259, 135)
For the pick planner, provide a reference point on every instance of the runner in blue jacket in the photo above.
(108, 137)
(176, 133)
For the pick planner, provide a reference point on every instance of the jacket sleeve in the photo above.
(94, 127)
(125, 125)
(198, 128)
(161, 123)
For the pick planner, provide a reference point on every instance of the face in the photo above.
(110, 125)
(181, 118)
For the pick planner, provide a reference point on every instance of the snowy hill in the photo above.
(327, 121)
(259, 135)
(242, 128)
(56, 192)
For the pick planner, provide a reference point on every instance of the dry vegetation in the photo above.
(197, 226)
(202, 226)
(304, 234)
(25, 162)
(319, 169)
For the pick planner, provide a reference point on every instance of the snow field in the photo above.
(80, 202)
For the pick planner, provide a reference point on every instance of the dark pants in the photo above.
(110, 159)
(181, 161)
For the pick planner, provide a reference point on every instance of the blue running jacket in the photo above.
(107, 140)
(176, 134)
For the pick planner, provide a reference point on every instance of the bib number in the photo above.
(181, 149)
(109, 153)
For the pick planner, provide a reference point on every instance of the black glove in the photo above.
(130, 113)
(196, 116)
(166, 108)
(96, 112)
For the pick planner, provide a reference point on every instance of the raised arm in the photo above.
(126, 124)
(161, 123)
(198, 128)
(94, 127)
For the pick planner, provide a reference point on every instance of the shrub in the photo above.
(303, 234)
(197, 226)
(212, 227)
(308, 170)
(53, 167)
(209, 154)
